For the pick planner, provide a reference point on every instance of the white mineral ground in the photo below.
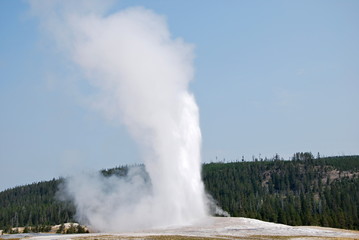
(225, 228)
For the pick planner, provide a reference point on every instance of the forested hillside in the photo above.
(33, 205)
(303, 191)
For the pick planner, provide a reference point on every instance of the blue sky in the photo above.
(271, 77)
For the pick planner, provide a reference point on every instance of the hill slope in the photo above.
(321, 192)
(304, 191)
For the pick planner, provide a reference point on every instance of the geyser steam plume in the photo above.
(143, 75)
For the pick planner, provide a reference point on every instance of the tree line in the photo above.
(302, 191)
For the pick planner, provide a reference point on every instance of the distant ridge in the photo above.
(303, 191)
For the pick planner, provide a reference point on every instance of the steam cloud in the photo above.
(143, 75)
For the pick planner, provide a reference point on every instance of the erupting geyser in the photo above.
(142, 74)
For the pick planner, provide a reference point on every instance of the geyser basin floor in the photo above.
(224, 228)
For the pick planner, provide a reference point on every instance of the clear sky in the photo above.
(271, 77)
